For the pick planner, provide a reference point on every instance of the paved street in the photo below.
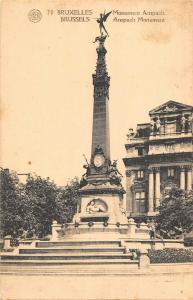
(132, 286)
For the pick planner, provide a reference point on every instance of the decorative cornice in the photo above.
(169, 139)
(149, 140)
(94, 191)
(159, 158)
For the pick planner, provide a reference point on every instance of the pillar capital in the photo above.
(150, 170)
(189, 168)
(182, 168)
(156, 169)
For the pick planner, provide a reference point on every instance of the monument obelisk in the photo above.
(101, 192)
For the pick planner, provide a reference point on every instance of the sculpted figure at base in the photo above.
(114, 174)
(100, 38)
(95, 207)
(86, 166)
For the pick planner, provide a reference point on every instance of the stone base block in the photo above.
(93, 231)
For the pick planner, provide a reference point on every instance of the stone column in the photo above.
(151, 192)
(189, 178)
(130, 205)
(157, 187)
(182, 178)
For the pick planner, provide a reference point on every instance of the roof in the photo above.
(171, 107)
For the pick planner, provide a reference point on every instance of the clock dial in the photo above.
(99, 160)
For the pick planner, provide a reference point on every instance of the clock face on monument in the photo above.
(99, 160)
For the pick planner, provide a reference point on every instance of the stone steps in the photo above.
(69, 253)
(62, 256)
(85, 243)
(76, 249)
(48, 262)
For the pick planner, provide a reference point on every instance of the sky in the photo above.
(46, 78)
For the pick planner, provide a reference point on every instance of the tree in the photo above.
(33, 206)
(175, 213)
(66, 201)
(10, 210)
(39, 205)
(45, 202)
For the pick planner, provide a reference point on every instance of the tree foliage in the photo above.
(175, 213)
(31, 207)
(66, 201)
(39, 203)
(11, 216)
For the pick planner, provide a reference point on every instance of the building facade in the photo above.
(159, 156)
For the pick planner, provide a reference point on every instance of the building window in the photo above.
(140, 174)
(170, 172)
(140, 151)
(140, 202)
(140, 195)
(171, 128)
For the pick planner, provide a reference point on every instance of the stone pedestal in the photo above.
(55, 228)
(101, 201)
(7, 242)
(132, 228)
(144, 261)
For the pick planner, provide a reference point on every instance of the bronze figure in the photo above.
(103, 17)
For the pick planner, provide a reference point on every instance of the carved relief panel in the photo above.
(96, 206)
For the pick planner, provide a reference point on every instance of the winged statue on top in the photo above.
(103, 17)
